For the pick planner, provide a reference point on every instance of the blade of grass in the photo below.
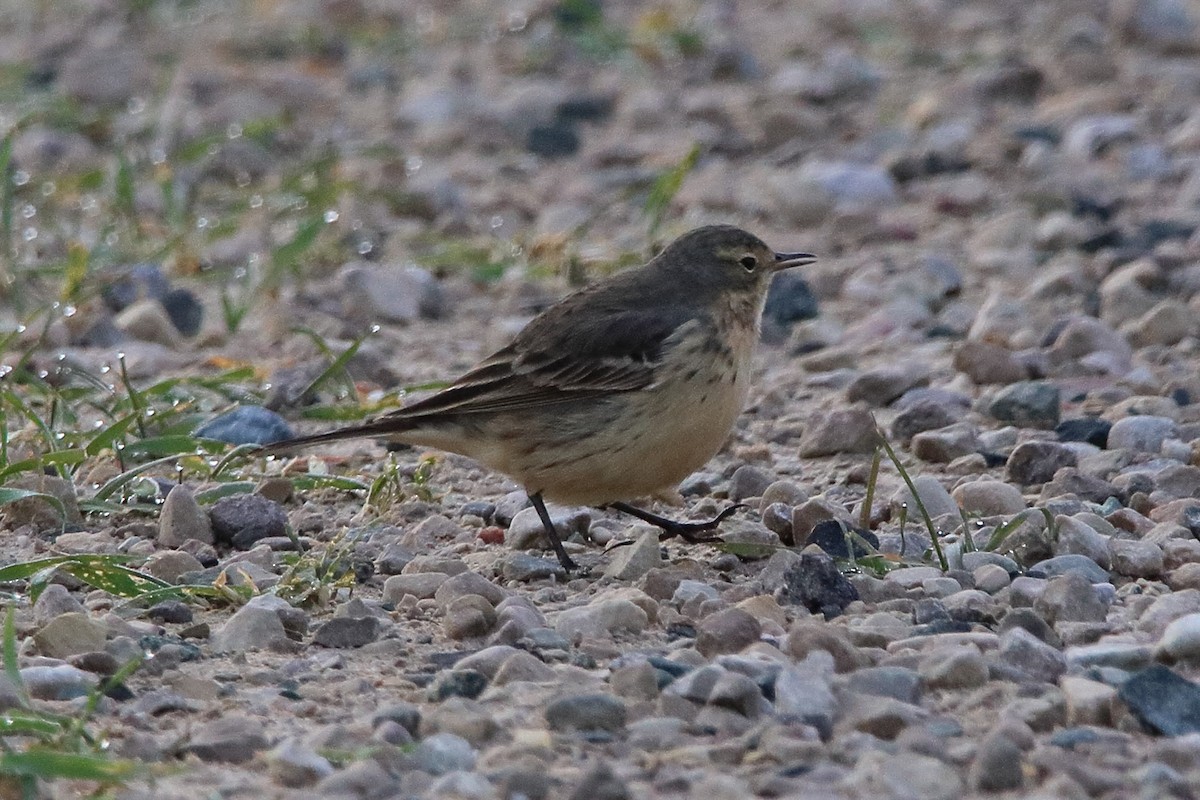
(864, 520)
(34, 465)
(337, 366)
(666, 186)
(108, 436)
(135, 399)
(10, 494)
(117, 482)
(7, 202)
(47, 764)
(908, 481)
(12, 669)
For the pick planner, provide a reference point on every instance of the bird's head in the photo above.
(725, 258)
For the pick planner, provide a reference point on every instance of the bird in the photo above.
(618, 391)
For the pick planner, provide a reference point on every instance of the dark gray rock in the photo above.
(1092, 430)
(244, 519)
(347, 632)
(818, 585)
(789, 300)
(1037, 461)
(184, 310)
(1070, 562)
(1163, 701)
(586, 712)
(247, 425)
(232, 739)
(1029, 404)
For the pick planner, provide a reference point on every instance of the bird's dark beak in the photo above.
(789, 260)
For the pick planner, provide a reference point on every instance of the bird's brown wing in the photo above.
(552, 363)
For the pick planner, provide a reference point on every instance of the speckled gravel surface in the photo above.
(1005, 199)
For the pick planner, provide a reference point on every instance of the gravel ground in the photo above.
(1005, 199)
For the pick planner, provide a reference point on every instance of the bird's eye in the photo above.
(748, 262)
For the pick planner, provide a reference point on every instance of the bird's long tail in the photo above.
(384, 426)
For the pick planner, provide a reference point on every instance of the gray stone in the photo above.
(467, 616)
(879, 387)
(748, 481)
(910, 775)
(1088, 702)
(953, 668)
(347, 632)
(377, 293)
(362, 779)
(294, 765)
(1170, 26)
(989, 498)
(850, 186)
(1061, 565)
(421, 585)
(946, 444)
(1135, 559)
(996, 766)
(805, 691)
(108, 76)
(1070, 598)
(61, 682)
(839, 430)
(586, 712)
(181, 519)
(233, 738)
(925, 415)
(250, 628)
(986, 363)
(54, 601)
(522, 666)
(69, 634)
(1028, 404)
(601, 618)
(1021, 649)
(527, 533)
(601, 783)
(242, 520)
(1181, 639)
(634, 560)
(1078, 538)
(468, 583)
(1166, 609)
(443, 753)
(1144, 433)
(899, 683)
(1037, 461)
(933, 494)
(526, 568)
(727, 631)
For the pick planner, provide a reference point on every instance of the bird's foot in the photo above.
(688, 531)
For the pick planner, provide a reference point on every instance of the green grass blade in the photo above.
(108, 436)
(912, 488)
(116, 579)
(7, 201)
(113, 484)
(12, 668)
(666, 186)
(57, 458)
(55, 765)
(9, 494)
(18, 724)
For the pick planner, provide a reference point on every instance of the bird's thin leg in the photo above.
(685, 530)
(551, 533)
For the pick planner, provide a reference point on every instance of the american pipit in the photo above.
(616, 392)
